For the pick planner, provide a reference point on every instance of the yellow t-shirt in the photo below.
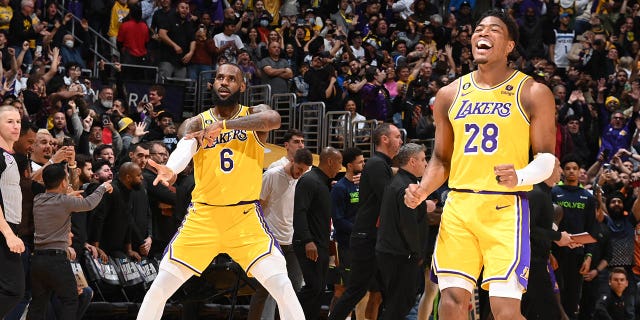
(6, 13)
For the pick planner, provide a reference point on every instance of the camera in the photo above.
(105, 119)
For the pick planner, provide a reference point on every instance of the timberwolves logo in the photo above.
(508, 90)
(466, 86)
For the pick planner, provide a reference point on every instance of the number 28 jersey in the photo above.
(490, 127)
(228, 170)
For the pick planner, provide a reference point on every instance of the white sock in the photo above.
(170, 277)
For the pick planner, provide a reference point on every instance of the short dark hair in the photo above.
(570, 157)
(512, 26)
(350, 154)
(291, 133)
(618, 270)
(370, 73)
(158, 89)
(303, 156)
(27, 125)
(23, 162)
(382, 130)
(53, 174)
(98, 150)
(99, 163)
(82, 159)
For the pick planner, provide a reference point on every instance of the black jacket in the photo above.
(312, 209)
(541, 213)
(402, 231)
(375, 176)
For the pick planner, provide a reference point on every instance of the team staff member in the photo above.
(225, 216)
(539, 301)
(402, 236)
(11, 272)
(486, 122)
(375, 177)
(311, 228)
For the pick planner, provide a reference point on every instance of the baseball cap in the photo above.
(124, 123)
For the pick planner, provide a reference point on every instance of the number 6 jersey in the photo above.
(228, 170)
(490, 128)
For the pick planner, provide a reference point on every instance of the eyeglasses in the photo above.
(618, 118)
(162, 154)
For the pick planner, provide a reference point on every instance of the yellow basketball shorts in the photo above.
(483, 228)
(239, 231)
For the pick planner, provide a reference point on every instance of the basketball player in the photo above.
(486, 122)
(226, 145)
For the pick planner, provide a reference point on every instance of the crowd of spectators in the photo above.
(379, 60)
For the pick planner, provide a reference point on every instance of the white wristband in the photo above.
(537, 170)
(180, 157)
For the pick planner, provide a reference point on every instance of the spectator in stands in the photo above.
(254, 44)
(24, 29)
(161, 121)
(375, 97)
(274, 70)
(248, 67)
(130, 132)
(618, 302)
(356, 121)
(277, 201)
(202, 56)
(105, 152)
(50, 268)
(6, 13)
(119, 11)
(321, 78)
(43, 153)
(133, 37)
(622, 226)
(104, 101)
(311, 220)
(111, 225)
(177, 37)
(228, 42)
(70, 52)
(293, 140)
(60, 129)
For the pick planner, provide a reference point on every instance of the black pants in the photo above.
(315, 280)
(11, 278)
(570, 280)
(399, 284)
(51, 272)
(363, 272)
(539, 301)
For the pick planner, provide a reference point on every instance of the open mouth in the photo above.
(483, 45)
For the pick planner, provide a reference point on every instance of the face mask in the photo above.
(69, 43)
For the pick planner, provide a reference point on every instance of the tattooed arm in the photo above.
(263, 119)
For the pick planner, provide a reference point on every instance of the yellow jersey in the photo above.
(490, 127)
(228, 170)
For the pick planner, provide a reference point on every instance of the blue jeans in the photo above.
(194, 70)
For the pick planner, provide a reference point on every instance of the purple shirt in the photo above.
(374, 102)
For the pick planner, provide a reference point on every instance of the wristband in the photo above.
(72, 166)
(224, 124)
(50, 161)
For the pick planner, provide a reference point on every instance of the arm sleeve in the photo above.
(181, 156)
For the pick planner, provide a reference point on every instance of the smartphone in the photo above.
(38, 50)
(105, 119)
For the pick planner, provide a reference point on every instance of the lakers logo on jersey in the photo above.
(226, 137)
(483, 108)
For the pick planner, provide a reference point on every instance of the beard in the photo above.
(136, 187)
(231, 101)
(107, 103)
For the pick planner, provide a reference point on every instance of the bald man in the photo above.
(311, 225)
